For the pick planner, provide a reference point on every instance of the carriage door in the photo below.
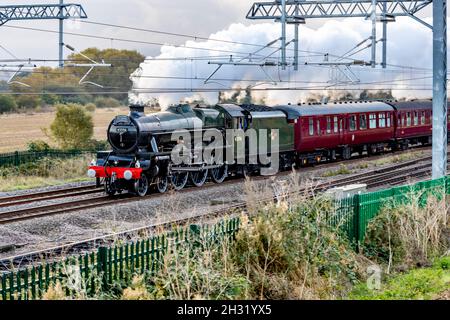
(341, 130)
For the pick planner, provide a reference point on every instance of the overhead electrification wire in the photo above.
(127, 40)
(203, 90)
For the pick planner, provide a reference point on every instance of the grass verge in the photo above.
(44, 172)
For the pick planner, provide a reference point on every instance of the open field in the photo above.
(19, 129)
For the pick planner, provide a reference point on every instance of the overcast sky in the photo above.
(199, 17)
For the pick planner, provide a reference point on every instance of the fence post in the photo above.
(102, 266)
(195, 234)
(16, 158)
(356, 220)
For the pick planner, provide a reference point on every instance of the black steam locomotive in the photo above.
(143, 145)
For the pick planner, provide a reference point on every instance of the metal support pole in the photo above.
(61, 34)
(283, 35)
(374, 33)
(296, 44)
(384, 63)
(439, 88)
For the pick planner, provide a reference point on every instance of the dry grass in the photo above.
(19, 129)
(410, 235)
(45, 172)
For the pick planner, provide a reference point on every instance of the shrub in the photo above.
(28, 101)
(103, 102)
(73, 126)
(90, 107)
(7, 104)
(50, 99)
(98, 145)
(408, 235)
(38, 146)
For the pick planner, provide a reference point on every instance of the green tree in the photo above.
(124, 62)
(73, 126)
(56, 80)
(7, 104)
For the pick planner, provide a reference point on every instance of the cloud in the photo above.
(409, 44)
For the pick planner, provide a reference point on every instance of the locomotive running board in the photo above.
(193, 169)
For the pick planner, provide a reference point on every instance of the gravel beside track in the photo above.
(51, 231)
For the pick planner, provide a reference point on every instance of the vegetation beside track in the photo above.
(290, 251)
(417, 284)
(44, 172)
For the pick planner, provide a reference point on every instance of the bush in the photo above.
(50, 99)
(27, 101)
(408, 235)
(7, 104)
(73, 127)
(90, 107)
(103, 102)
(99, 145)
(38, 146)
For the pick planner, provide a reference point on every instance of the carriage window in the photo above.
(403, 119)
(352, 123)
(362, 122)
(382, 120)
(311, 126)
(318, 127)
(422, 118)
(408, 119)
(328, 125)
(335, 120)
(388, 120)
(416, 118)
(372, 121)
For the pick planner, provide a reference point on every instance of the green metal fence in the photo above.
(22, 157)
(109, 266)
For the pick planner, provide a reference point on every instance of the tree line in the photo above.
(61, 86)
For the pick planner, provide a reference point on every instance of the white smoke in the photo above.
(409, 44)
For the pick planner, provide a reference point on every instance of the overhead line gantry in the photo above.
(384, 11)
(59, 12)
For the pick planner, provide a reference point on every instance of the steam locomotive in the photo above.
(142, 145)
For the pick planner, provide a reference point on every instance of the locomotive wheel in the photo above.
(198, 178)
(162, 184)
(218, 175)
(141, 186)
(108, 187)
(179, 180)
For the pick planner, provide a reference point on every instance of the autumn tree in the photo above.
(73, 126)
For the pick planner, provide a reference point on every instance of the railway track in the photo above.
(373, 178)
(17, 200)
(395, 174)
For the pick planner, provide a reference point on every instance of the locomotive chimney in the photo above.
(136, 110)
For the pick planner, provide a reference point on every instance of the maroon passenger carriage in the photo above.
(328, 131)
